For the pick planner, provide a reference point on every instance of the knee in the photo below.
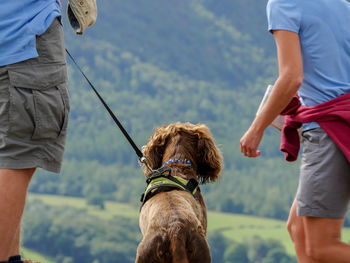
(290, 228)
(295, 230)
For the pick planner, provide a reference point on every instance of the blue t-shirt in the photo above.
(20, 22)
(324, 31)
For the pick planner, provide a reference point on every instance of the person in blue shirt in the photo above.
(34, 106)
(313, 50)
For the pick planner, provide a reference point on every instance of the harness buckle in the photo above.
(161, 172)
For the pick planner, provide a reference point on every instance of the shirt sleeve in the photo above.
(283, 15)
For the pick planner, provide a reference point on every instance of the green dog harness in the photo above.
(161, 180)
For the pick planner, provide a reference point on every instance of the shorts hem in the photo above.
(25, 164)
(313, 212)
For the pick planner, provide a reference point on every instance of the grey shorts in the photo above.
(34, 106)
(324, 184)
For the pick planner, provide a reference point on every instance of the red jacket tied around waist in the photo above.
(333, 116)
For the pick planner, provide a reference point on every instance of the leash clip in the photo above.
(143, 160)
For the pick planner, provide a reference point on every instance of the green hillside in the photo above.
(236, 228)
(69, 230)
(233, 226)
(32, 255)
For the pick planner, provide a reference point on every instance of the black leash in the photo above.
(127, 136)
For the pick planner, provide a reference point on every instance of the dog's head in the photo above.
(190, 140)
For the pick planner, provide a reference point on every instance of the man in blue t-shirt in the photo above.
(34, 106)
(313, 49)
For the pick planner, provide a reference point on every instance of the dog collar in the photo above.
(175, 160)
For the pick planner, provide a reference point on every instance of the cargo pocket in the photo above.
(39, 103)
(38, 114)
(51, 112)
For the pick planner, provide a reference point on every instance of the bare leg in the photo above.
(323, 240)
(13, 189)
(296, 231)
(16, 243)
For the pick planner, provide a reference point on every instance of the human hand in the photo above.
(249, 143)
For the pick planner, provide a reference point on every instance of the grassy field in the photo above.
(30, 254)
(233, 226)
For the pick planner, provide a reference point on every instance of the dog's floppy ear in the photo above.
(154, 149)
(210, 158)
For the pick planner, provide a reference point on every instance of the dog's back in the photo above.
(174, 233)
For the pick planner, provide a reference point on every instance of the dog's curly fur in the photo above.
(174, 224)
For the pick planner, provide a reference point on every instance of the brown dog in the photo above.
(174, 223)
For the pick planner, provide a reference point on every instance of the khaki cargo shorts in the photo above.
(34, 106)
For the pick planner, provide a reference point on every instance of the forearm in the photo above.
(289, 80)
(284, 89)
